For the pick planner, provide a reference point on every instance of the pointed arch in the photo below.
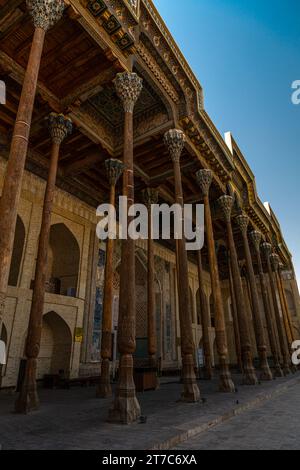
(63, 261)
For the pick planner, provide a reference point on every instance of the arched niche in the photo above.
(63, 261)
(17, 254)
(56, 345)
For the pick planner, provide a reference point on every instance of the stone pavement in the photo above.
(273, 426)
(75, 419)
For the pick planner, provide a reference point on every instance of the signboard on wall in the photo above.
(78, 335)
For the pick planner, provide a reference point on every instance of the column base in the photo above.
(208, 374)
(28, 399)
(278, 373)
(104, 389)
(226, 384)
(265, 371)
(191, 392)
(265, 374)
(286, 370)
(249, 376)
(126, 408)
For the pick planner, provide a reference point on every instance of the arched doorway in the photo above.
(56, 346)
(63, 261)
(17, 254)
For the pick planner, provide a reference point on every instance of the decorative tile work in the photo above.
(96, 345)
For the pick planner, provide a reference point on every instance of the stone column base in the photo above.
(126, 408)
(191, 392)
(28, 399)
(226, 384)
(104, 388)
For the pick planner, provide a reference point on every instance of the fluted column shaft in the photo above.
(243, 222)
(256, 238)
(289, 320)
(249, 377)
(204, 178)
(28, 399)
(114, 170)
(126, 408)
(43, 18)
(150, 198)
(174, 141)
(282, 339)
(204, 319)
(236, 330)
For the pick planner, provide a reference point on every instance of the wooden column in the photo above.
(28, 400)
(275, 261)
(256, 238)
(150, 196)
(267, 249)
(174, 141)
(204, 320)
(249, 377)
(126, 408)
(204, 178)
(266, 374)
(44, 15)
(236, 330)
(114, 169)
(289, 319)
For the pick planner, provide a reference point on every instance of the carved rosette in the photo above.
(274, 262)
(243, 223)
(256, 238)
(226, 204)
(150, 196)
(59, 127)
(204, 179)
(128, 87)
(174, 140)
(114, 169)
(45, 13)
(267, 249)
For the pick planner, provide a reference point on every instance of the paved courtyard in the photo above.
(272, 426)
(75, 419)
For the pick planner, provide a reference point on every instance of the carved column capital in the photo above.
(274, 262)
(150, 196)
(226, 204)
(256, 238)
(243, 223)
(59, 127)
(45, 13)
(128, 87)
(204, 179)
(114, 169)
(174, 140)
(267, 249)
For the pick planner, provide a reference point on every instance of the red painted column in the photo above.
(266, 374)
(114, 169)
(249, 377)
(175, 141)
(28, 400)
(44, 15)
(126, 408)
(205, 178)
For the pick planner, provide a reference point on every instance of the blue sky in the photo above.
(245, 54)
